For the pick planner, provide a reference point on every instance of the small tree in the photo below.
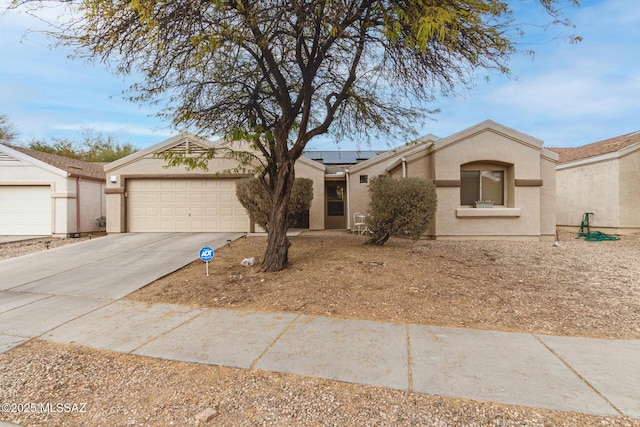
(401, 208)
(257, 201)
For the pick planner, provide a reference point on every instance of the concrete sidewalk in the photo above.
(591, 376)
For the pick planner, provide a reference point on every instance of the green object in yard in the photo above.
(596, 236)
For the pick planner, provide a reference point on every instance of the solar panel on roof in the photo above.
(338, 157)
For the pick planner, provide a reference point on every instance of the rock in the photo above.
(556, 244)
(207, 415)
(248, 262)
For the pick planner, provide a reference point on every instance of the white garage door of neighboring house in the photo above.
(25, 210)
(184, 205)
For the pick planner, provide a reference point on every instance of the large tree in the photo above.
(288, 71)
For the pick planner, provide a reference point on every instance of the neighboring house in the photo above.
(486, 161)
(602, 178)
(46, 194)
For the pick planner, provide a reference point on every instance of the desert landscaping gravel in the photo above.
(580, 288)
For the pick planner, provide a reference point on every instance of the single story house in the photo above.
(46, 194)
(602, 178)
(143, 195)
(485, 162)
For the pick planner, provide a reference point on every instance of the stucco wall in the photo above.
(528, 211)
(418, 163)
(629, 182)
(148, 166)
(548, 198)
(520, 217)
(63, 196)
(591, 187)
(359, 192)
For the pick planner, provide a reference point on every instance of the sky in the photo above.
(566, 94)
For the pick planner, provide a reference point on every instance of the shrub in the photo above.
(401, 208)
(257, 201)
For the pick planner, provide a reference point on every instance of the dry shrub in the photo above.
(400, 208)
(256, 199)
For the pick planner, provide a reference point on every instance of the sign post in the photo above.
(206, 255)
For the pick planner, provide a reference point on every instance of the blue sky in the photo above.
(567, 94)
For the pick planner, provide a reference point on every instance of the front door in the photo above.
(335, 195)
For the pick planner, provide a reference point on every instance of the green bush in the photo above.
(257, 201)
(401, 208)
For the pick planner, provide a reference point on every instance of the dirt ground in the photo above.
(580, 288)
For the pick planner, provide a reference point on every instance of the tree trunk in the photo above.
(277, 253)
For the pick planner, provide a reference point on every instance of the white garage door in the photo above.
(25, 210)
(184, 205)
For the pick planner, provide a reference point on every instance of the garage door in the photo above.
(25, 210)
(184, 205)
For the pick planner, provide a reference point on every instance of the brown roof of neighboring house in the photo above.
(74, 167)
(597, 148)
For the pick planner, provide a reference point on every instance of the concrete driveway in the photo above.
(43, 290)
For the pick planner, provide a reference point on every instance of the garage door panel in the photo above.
(25, 210)
(152, 197)
(152, 185)
(212, 184)
(184, 205)
(167, 197)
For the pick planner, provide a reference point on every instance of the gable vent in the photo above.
(188, 146)
(7, 158)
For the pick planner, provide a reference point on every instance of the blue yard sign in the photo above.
(206, 255)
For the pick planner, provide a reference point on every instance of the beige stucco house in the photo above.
(46, 194)
(486, 161)
(143, 195)
(602, 178)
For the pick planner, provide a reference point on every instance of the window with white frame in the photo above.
(481, 185)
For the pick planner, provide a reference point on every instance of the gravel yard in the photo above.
(24, 247)
(579, 288)
(587, 289)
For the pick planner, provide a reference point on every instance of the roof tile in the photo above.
(597, 148)
(74, 167)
